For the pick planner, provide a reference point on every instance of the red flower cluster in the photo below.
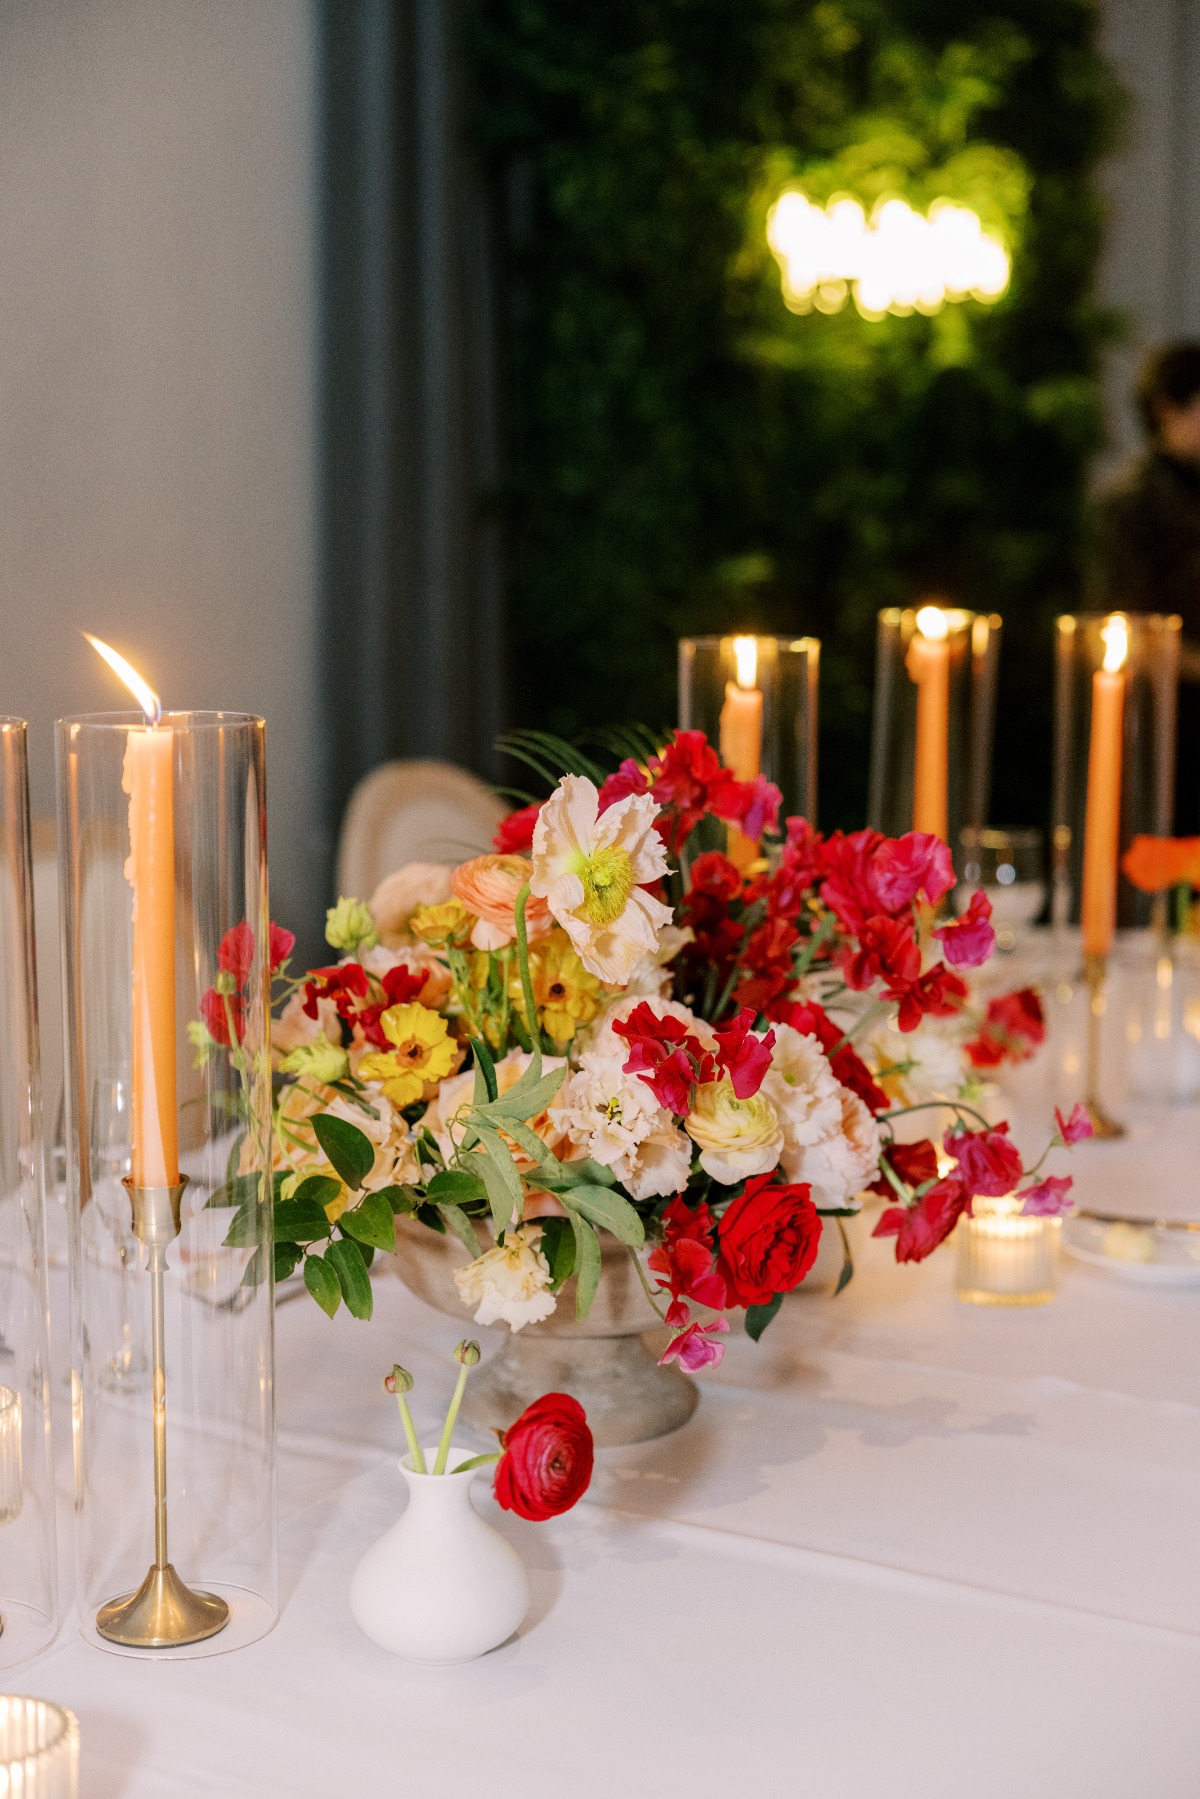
(548, 1458)
(673, 1062)
(514, 834)
(688, 781)
(348, 984)
(1013, 1027)
(223, 1005)
(848, 1066)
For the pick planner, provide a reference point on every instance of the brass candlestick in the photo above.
(1095, 970)
(163, 1613)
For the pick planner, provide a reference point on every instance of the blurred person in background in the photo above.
(1149, 538)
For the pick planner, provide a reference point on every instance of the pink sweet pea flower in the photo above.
(237, 952)
(694, 1347)
(1048, 1199)
(989, 1161)
(1077, 1128)
(760, 801)
(920, 1228)
(514, 834)
(909, 865)
(968, 941)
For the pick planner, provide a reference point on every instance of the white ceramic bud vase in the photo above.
(441, 1585)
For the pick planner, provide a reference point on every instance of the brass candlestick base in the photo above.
(163, 1613)
(1105, 1128)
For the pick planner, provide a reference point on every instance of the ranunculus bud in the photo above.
(467, 1353)
(547, 1460)
(398, 1381)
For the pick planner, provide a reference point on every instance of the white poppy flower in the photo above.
(590, 869)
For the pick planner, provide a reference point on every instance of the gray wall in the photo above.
(157, 331)
(1151, 268)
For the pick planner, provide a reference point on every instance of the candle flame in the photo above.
(1115, 638)
(745, 656)
(933, 623)
(141, 690)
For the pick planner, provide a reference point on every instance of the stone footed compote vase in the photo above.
(440, 1585)
(602, 1360)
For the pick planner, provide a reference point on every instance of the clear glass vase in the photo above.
(933, 720)
(28, 1563)
(162, 833)
(755, 699)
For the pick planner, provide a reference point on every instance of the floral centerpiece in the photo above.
(602, 1026)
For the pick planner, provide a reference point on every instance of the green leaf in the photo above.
(758, 1317)
(587, 1264)
(402, 1199)
(241, 1190)
(321, 1189)
(485, 1068)
(558, 1247)
(585, 1173)
(462, 1227)
(847, 1274)
(500, 1177)
(432, 1217)
(255, 1271)
(300, 1221)
(455, 1186)
(348, 1150)
(371, 1222)
(323, 1284)
(525, 1101)
(345, 1257)
(603, 1206)
(286, 1257)
(531, 1143)
(245, 1229)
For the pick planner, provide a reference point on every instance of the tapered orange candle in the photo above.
(1102, 830)
(741, 733)
(928, 665)
(148, 777)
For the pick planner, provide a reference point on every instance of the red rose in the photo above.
(767, 1240)
(989, 1162)
(547, 1460)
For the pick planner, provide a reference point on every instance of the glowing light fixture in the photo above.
(899, 261)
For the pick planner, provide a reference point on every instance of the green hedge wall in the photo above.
(688, 455)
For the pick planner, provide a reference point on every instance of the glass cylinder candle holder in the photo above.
(39, 1750)
(162, 833)
(28, 1562)
(1005, 1259)
(755, 699)
(933, 722)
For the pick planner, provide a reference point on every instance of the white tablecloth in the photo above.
(905, 1547)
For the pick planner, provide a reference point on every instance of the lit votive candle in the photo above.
(1005, 1259)
(39, 1749)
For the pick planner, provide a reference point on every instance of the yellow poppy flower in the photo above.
(423, 1054)
(565, 993)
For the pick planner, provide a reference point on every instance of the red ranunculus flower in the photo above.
(919, 1229)
(344, 983)
(514, 834)
(217, 1010)
(812, 1021)
(969, 941)
(236, 953)
(989, 1162)
(744, 1057)
(547, 1460)
(1013, 1027)
(281, 945)
(767, 1239)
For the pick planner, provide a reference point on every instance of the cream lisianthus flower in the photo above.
(840, 1165)
(803, 1089)
(736, 1137)
(614, 1118)
(511, 1283)
(590, 867)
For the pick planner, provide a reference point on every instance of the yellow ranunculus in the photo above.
(447, 923)
(736, 1137)
(423, 1053)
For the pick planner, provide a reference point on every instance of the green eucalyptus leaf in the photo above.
(371, 1221)
(323, 1284)
(604, 1206)
(587, 1264)
(455, 1186)
(346, 1260)
(485, 1069)
(527, 1098)
(348, 1149)
(531, 1143)
(558, 1247)
(462, 1227)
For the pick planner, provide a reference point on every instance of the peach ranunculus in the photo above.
(1155, 863)
(399, 895)
(488, 887)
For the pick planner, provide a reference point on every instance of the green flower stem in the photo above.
(439, 1466)
(478, 1461)
(952, 1105)
(874, 1012)
(415, 1453)
(646, 1288)
(819, 938)
(531, 1016)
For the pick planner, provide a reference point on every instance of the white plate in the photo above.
(1174, 1261)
